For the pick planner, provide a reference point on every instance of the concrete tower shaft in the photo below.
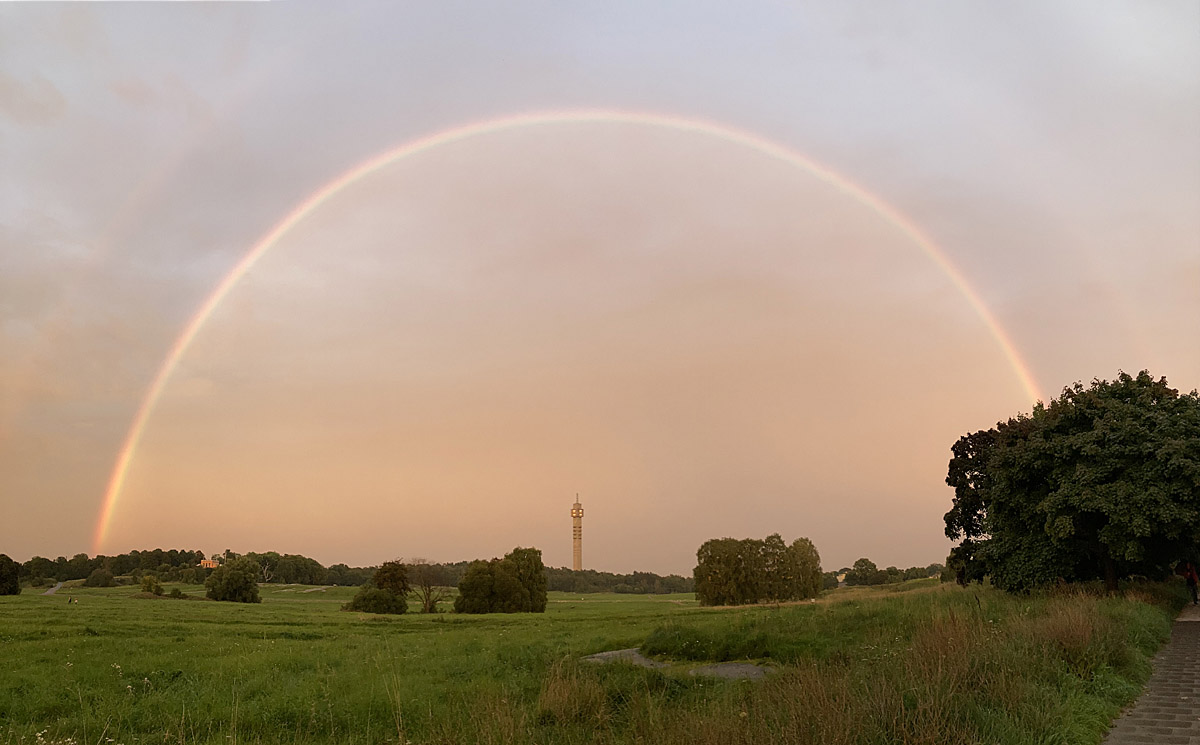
(577, 535)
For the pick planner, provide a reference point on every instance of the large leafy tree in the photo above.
(476, 587)
(1103, 482)
(10, 576)
(531, 574)
(514, 584)
(393, 577)
(804, 566)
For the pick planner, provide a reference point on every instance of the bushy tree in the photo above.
(10, 576)
(514, 584)
(151, 584)
(476, 588)
(385, 593)
(1103, 482)
(530, 572)
(393, 577)
(235, 581)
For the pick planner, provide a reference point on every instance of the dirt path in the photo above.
(53, 590)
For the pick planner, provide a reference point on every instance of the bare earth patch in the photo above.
(731, 671)
(631, 655)
(727, 670)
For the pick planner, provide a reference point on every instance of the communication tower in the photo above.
(577, 535)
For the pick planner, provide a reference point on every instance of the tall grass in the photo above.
(939, 670)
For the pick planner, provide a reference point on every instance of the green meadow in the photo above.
(912, 663)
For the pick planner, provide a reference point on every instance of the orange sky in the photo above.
(696, 338)
(699, 340)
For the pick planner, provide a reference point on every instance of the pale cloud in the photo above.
(32, 101)
(134, 91)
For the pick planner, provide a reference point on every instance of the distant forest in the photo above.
(176, 565)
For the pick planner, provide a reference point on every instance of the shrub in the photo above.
(177, 593)
(99, 578)
(376, 600)
(151, 584)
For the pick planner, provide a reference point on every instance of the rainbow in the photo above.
(493, 126)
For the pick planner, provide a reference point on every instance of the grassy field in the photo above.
(918, 663)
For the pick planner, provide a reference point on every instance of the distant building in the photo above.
(577, 535)
(208, 564)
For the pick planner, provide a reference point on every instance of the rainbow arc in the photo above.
(446, 137)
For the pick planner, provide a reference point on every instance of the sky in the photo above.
(749, 268)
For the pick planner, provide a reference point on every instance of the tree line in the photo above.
(561, 579)
(182, 565)
(864, 572)
(176, 565)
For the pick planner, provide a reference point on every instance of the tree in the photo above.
(514, 584)
(1103, 482)
(476, 587)
(805, 564)
(151, 584)
(234, 581)
(429, 583)
(718, 580)
(740, 572)
(393, 577)
(965, 520)
(10, 576)
(370, 599)
(778, 571)
(38, 568)
(385, 593)
(530, 572)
